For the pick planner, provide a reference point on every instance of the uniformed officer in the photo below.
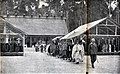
(93, 51)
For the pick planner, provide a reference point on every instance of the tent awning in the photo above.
(81, 29)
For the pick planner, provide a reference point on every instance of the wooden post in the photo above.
(115, 30)
(106, 26)
(23, 42)
(5, 28)
(96, 30)
(117, 18)
(30, 41)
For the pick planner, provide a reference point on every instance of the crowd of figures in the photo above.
(108, 45)
(74, 50)
(63, 49)
(13, 46)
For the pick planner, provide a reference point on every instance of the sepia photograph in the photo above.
(60, 36)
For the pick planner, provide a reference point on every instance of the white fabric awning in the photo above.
(81, 29)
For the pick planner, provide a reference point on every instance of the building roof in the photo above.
(37, 26)
(1, 25)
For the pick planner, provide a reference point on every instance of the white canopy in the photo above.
(81, 29)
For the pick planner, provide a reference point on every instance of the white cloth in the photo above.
(109, 47)
(104, 48)
(78, 52)
(7, 40)
(47, 47)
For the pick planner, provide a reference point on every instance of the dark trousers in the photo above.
(93, 58)
(36, 49)
(69, 53)
(64, 55)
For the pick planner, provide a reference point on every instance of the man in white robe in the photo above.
(78, 52)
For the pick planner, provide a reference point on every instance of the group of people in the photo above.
(63, 49)
(40, 46)
(108, 45)
(69, 51)
(12, 46)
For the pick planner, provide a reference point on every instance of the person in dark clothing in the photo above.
(21, 48)
(41, 48)
(3, 47)
(57, 51)
(13, 47)
(36, 47)
(93, 51)
(60, 49)
(69, 50)
(113, 42)
(52, 49)
(64, 49)
(112, 48)
(7, 47)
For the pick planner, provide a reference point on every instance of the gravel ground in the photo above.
(36, 62)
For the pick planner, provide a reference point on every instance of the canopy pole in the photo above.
(30, 41)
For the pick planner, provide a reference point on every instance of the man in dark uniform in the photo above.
(93, 51)
(69, 50)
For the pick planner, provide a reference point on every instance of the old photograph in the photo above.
(60, 36)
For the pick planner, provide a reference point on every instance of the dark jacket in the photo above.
(92, 48)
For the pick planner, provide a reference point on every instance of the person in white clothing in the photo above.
(78, 52)
(47, 49)
(82, 50)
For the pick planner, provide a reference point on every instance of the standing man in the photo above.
(93, 51)
(75, 52)
(69, 50)
(64, 50)
(78, 52)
